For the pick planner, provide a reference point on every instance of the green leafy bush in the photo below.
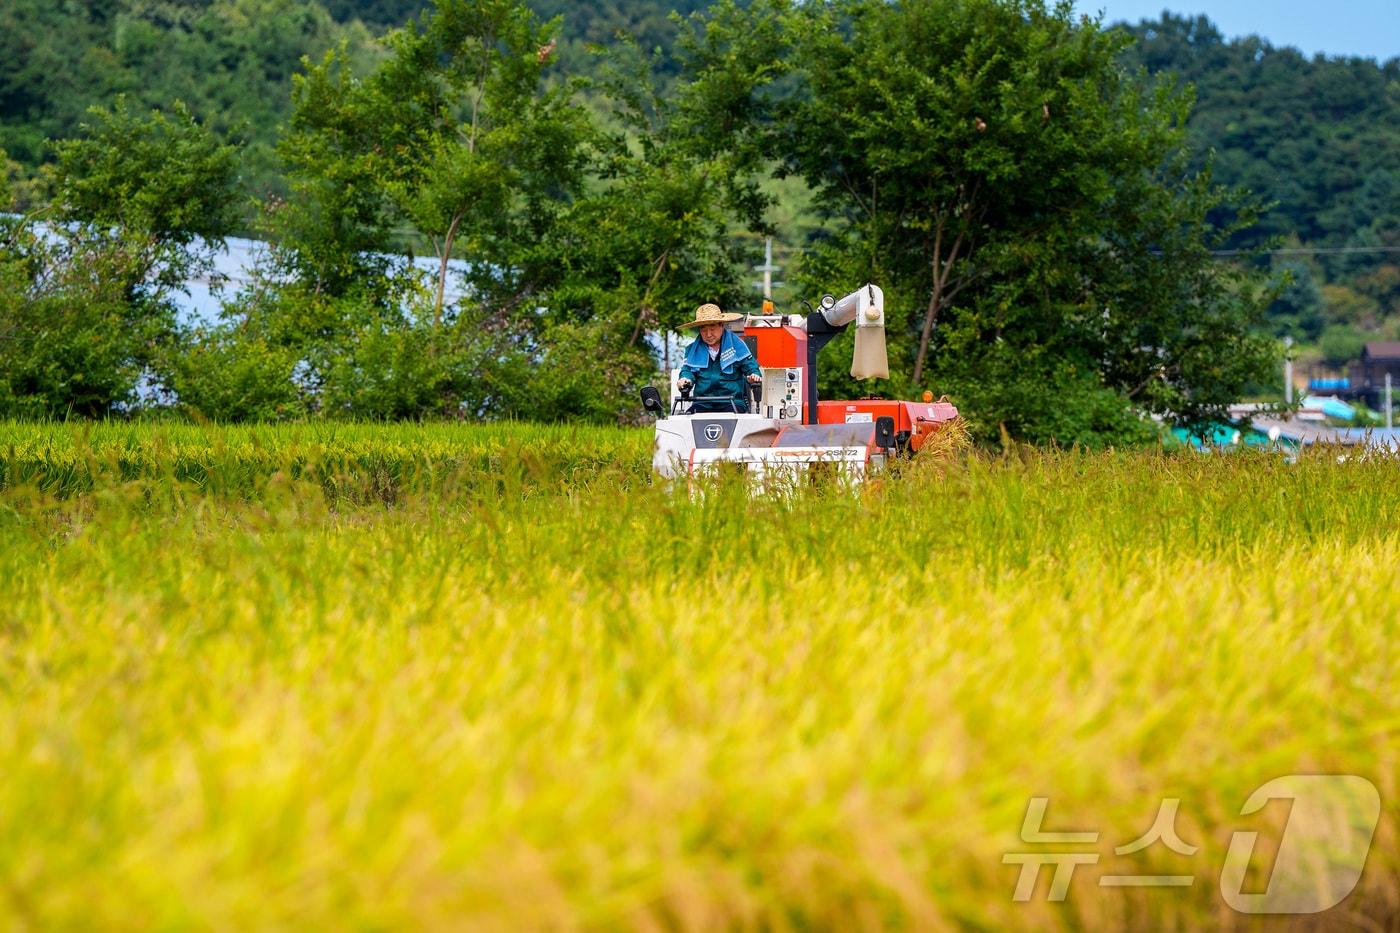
(1341, 343)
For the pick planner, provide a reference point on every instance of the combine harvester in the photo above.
(786, 430)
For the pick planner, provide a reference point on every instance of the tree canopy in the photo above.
(86, 300)
(1043, 199)
(1030, 203)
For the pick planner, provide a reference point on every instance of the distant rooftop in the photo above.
(1382, 350)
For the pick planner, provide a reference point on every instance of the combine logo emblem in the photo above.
(711, 433)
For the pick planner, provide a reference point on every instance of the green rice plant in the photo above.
(348, 460)
(445, 676)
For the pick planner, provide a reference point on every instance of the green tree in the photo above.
(71, 340)
(142, 202)
(1296, 310)
(675, 178)
(475, 139)
(1341, 344)
(453, 134)
(991, 158)
(576, 243)
(655, 28)
(452, 140)
(332, 232)
(1346, 306)
(163, 178)
(651, 237)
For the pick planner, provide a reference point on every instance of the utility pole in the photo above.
(767, 269)
(1389, 419)
(1288, 370)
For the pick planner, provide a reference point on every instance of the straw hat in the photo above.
(710, 314)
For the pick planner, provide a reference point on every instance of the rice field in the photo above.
(493, 677)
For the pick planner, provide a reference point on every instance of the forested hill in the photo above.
(1316, 136)
(593, 23)
(231, 61)
(597, 21)
(1319, 136)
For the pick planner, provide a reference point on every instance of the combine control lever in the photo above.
(755, 394)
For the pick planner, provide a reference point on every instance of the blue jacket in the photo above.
(725, 375)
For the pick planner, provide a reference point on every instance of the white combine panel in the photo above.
(768, 449)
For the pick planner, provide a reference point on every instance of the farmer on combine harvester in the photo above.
(717, 363)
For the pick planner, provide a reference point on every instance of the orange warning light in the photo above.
(928, 396)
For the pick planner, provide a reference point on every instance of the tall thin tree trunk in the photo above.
(935, 299)
(930, 318)
(942, 268)
(442, 268)
(646, 313)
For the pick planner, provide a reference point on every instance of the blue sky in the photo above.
(1370, 28)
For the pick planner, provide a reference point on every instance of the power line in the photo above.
(1307, 251)
(779, 248)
